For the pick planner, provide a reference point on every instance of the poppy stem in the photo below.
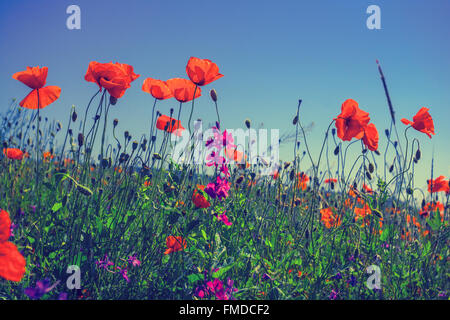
(192, 109)
(217, 111)
(151, 132)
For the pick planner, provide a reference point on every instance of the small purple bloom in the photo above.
(134, 261)
(333, 295)
(42, 287)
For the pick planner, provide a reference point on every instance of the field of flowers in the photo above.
(138, 224)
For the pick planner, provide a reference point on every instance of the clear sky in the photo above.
(272, 53)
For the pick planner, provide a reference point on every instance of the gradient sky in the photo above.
(272, 53)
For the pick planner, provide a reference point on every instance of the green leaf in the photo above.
(204, 235)
(56, 206)
(222, 271)
(195, 277)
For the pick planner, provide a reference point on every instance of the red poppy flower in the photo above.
(350, 123)
(234, 154)
(12, 263)
(35, 78)
(370, 138)
(367, 189)
(169, 124)
(329, 218)
(431, 207)
(114, 77)
(302, 180)
(5, 226)
(175, 244)
(334, 180)
(438, 185)
(183, 89)
(202, 71)
(157, 88)
(199, 199)
(13, 153)
(422, 122)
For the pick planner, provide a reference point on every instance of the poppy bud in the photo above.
(286, 165)
(153, 138)
(418, 154)
(112, 100)
(213, 95)
(333, 131)
(126, 134)
(84, 191)
(368, 176)
(156, 156)
(248, 123)
(332, 185)
(80, 139)
(104, 163)
(239, 180)
(115, 122)
(97, 117)
(409, 190)
(336, 151)
(292, 175)
(391, 168)
(294, 122)
(386, 132)
(64, 200)
(70, 132)
(74, 116)
(134, 145)
(395, 144)
(371, 168)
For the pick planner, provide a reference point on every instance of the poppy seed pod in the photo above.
(80, 139)
(371, 168)
(115, 122)
(248, 123)
(213, 95)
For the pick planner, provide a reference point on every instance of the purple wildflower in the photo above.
(42, 287)
(333, 295)
(134, 261)
(105, 263)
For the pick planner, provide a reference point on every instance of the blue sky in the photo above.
(272, 53)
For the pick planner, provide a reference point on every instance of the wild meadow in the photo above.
(85, 219)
